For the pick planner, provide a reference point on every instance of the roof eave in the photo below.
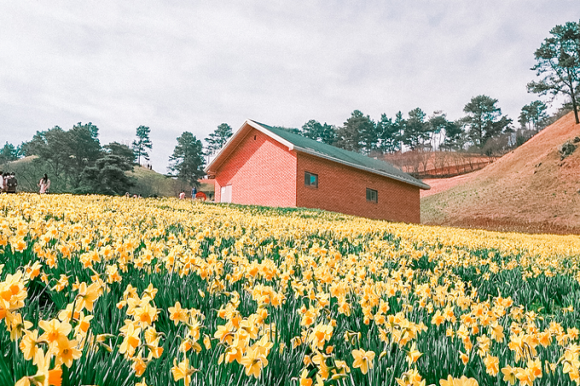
(224, 150)
(370, 170)
(275, 137)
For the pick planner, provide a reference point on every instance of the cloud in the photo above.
(188, 66)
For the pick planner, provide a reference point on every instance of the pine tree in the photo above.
(558, 64)
(187, 160)
(319, 132)
(216, 140)
(358, 132)
(143, 143)
(388, 135)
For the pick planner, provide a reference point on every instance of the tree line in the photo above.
(414, 131)
(78, 162)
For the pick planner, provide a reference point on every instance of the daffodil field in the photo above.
(119, 291)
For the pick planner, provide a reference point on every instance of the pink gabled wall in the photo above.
(261, 171)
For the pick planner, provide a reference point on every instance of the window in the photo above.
(311, 179)
(372, 195)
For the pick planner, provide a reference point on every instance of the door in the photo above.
(226, 194)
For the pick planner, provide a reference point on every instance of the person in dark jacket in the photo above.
(12, 183)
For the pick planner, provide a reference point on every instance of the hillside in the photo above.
(529, 189)
(150, 183)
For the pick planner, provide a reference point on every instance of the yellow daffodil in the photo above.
(182, 371)
(363, 360)
(463, 381)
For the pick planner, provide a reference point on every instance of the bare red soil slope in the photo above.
(529, 189)
(439, 185)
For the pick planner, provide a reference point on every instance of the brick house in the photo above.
(263, 165)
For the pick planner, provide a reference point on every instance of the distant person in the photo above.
(4, 182)
(182, 196)
(193, 192)
(44, 184)
(12, 183)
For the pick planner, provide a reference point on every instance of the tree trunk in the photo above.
(572, 94)
(575, 105)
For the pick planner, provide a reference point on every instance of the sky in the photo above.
(180, 66)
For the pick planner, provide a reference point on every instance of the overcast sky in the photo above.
(180, 66)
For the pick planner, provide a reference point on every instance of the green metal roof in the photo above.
(346, 157)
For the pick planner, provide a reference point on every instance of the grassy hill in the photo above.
(148, 182)
(529, 189)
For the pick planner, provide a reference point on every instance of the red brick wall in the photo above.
(261, 172)
(343, 189)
